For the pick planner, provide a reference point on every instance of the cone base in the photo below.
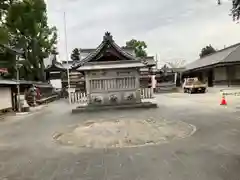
(223, 102)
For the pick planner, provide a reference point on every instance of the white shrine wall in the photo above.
(124, 84)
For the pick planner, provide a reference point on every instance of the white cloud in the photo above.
(173, 29)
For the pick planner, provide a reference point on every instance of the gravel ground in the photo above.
(122, 132)
(29, 151)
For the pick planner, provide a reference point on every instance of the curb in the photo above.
(22, 113)
(143, 105)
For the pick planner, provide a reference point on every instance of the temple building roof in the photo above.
(224, 56)
(108, 48)
(54, 64)
(149, 60)
(85, 52)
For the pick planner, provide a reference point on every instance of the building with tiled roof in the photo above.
(77, 78)
(221, 68)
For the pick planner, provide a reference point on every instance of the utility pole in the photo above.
(66, 51)
(18, 66)
(156, 60)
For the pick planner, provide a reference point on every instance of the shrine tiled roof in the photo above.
(107, 42)
(90, 50)
(87, 50)
(24, 82)
(149, 61)
(55, 65)
(126, 53)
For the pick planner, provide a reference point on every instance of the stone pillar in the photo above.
(137, 80)
(137, 86)
(228, 77)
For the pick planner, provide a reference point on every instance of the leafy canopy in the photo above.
(235, 10)
(24, 25)
(75, 56)
(138, 46)
(206, 51)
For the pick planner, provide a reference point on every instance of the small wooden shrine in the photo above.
(55, 69)
(112, 75)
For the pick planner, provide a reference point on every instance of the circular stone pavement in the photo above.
(125, 133)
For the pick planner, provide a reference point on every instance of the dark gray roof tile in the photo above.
(107, 40)
(87, 50)
(229, 54)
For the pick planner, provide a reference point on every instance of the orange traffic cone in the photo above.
(223, 101)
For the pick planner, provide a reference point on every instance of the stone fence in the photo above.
(81, 97)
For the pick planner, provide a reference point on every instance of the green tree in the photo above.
(4, 5)
(75, 56)
(206, 51)
(138, 46)
(3, 35)
(7, 60)
(27, 24)
(235, 11)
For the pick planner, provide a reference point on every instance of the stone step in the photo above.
(93, 108)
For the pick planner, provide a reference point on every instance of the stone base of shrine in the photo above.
(93, 108)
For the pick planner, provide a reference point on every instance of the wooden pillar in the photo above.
(228, 75)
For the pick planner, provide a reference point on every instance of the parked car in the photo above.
(193, 85)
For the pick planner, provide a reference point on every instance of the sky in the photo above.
(173, 29)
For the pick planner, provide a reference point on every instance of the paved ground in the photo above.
(27, 149)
